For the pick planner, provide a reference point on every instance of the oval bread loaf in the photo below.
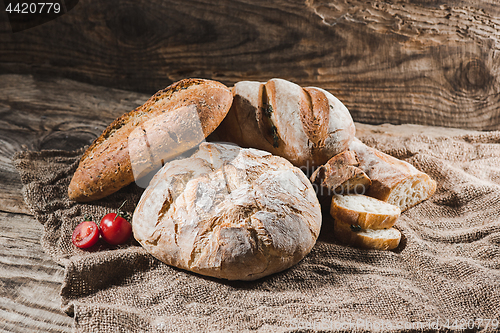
(307, 126)
(228, 212)
(167, 118)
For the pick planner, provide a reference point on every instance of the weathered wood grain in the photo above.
(424, 62)
(29, 280)
(39, 113)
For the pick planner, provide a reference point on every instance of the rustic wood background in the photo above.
(416, 61)
(413, 61)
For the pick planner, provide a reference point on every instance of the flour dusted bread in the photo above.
(228, 212)
(394, 181)
(307, 126)
(340, 175)
(170, 122)
(379, 239)
(363, 211)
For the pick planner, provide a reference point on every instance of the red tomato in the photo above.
(85, 235)
(115, 229)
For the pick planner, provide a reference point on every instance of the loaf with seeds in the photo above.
(171, 122)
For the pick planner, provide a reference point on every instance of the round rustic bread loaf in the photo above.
(228, 212)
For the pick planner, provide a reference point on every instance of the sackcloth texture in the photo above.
(446, 270)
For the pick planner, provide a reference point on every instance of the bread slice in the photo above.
(381, 239)
(340, 175)
(173, 120)
(363, 212)
(394, 181)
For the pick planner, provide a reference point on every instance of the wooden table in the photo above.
(47, 113)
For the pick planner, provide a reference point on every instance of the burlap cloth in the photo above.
(445, 273)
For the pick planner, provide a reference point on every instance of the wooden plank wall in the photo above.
(414, 61)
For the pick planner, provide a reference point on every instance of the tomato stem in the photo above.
(121, 213)
(119, 208)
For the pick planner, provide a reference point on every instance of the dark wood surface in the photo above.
(38, 113)
(412, 61)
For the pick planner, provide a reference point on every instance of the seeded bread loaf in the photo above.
(228, 212)
(307, 126)
(394, 181)
(171, 121)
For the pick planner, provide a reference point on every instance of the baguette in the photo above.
(394, 181)
(380, 239)
(171, 121)
(363, 211)
(340, 175)
(307, 126)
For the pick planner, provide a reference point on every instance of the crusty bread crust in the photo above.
(393, 180)
(315, 118)
(384, 239)
(341, 130)
(240, 124)
(340, 175)
(228, 212)
(288, 101)
(106, 166)
(307, 126)
(351, 209)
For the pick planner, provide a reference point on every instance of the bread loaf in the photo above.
(394, 181)
(307, 126)
(340, 175)
(171, 121)
(228, 212)
(380, 239)
(364, 212)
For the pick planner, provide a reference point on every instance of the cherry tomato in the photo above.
(85, 234)
(115, 229)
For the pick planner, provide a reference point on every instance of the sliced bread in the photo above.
(364, 212)
(381, 239)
